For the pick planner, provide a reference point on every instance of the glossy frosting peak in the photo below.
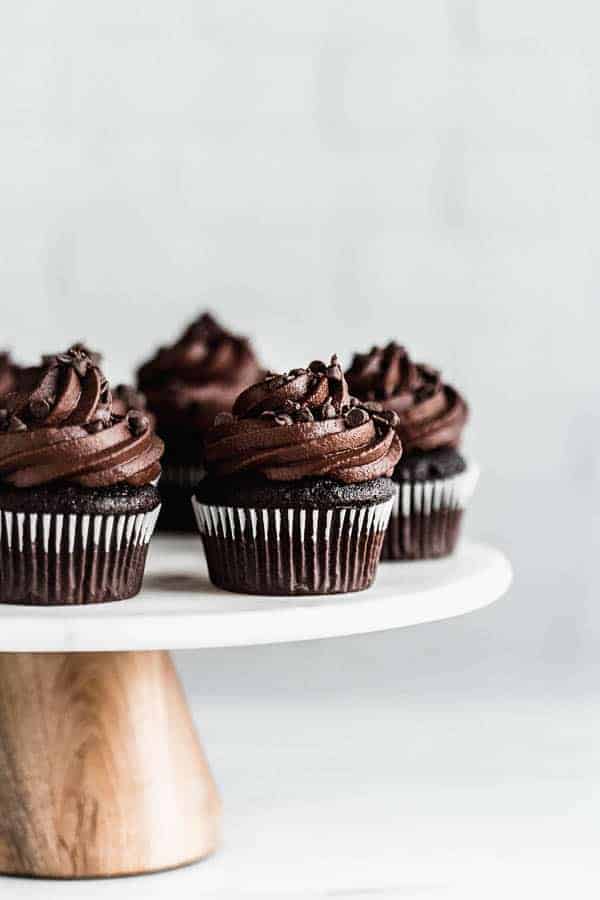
(304, 424)
(188, 383)
(60, 426)
(431, 414)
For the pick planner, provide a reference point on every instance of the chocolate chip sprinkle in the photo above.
(138, 422)
(356, 416)
(40, 407)
(391, 417)
(283, 419)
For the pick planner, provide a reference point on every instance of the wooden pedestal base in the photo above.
(101, 771)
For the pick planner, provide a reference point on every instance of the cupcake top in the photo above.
(431, 414)
(199, 376)
(304, 424)
(60, 426)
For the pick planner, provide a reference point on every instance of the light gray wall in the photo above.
(324, 175)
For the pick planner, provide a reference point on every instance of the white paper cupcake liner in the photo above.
(426, 516)
(61, 559)
(292, 551)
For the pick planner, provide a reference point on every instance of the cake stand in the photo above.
(101, 770)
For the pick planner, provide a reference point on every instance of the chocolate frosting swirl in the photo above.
(432, 414)
(304, 424)
(199, 376)
(60, 426)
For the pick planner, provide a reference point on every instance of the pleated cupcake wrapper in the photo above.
(61, 559)
(426, 516)
(292, 551)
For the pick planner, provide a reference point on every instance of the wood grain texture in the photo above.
(101, 771)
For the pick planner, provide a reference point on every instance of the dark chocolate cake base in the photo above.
(66, 545)
(311, 537)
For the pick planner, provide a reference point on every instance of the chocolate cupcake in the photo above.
(186, 385)
(434, 480)
(298, 497)
(78, 501)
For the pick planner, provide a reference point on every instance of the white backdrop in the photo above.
(324, 175)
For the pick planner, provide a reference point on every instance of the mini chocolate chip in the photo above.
(283, 419)
(305, 415)
(391, 417)
(95, 426)
(64, 358)
(267, 414)
(353, 401)
(356, 416)
(138, 422)
(39, 408)
(317, 367)
(290, 406)
(297, 372)
(328, 410)
(334, 371)
(223, 418)
(15, 424)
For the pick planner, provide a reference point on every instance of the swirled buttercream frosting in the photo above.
(187, 384)
(431, 414)
(304, 424)
(59, 426)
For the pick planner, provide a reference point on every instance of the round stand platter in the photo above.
(101, 770)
